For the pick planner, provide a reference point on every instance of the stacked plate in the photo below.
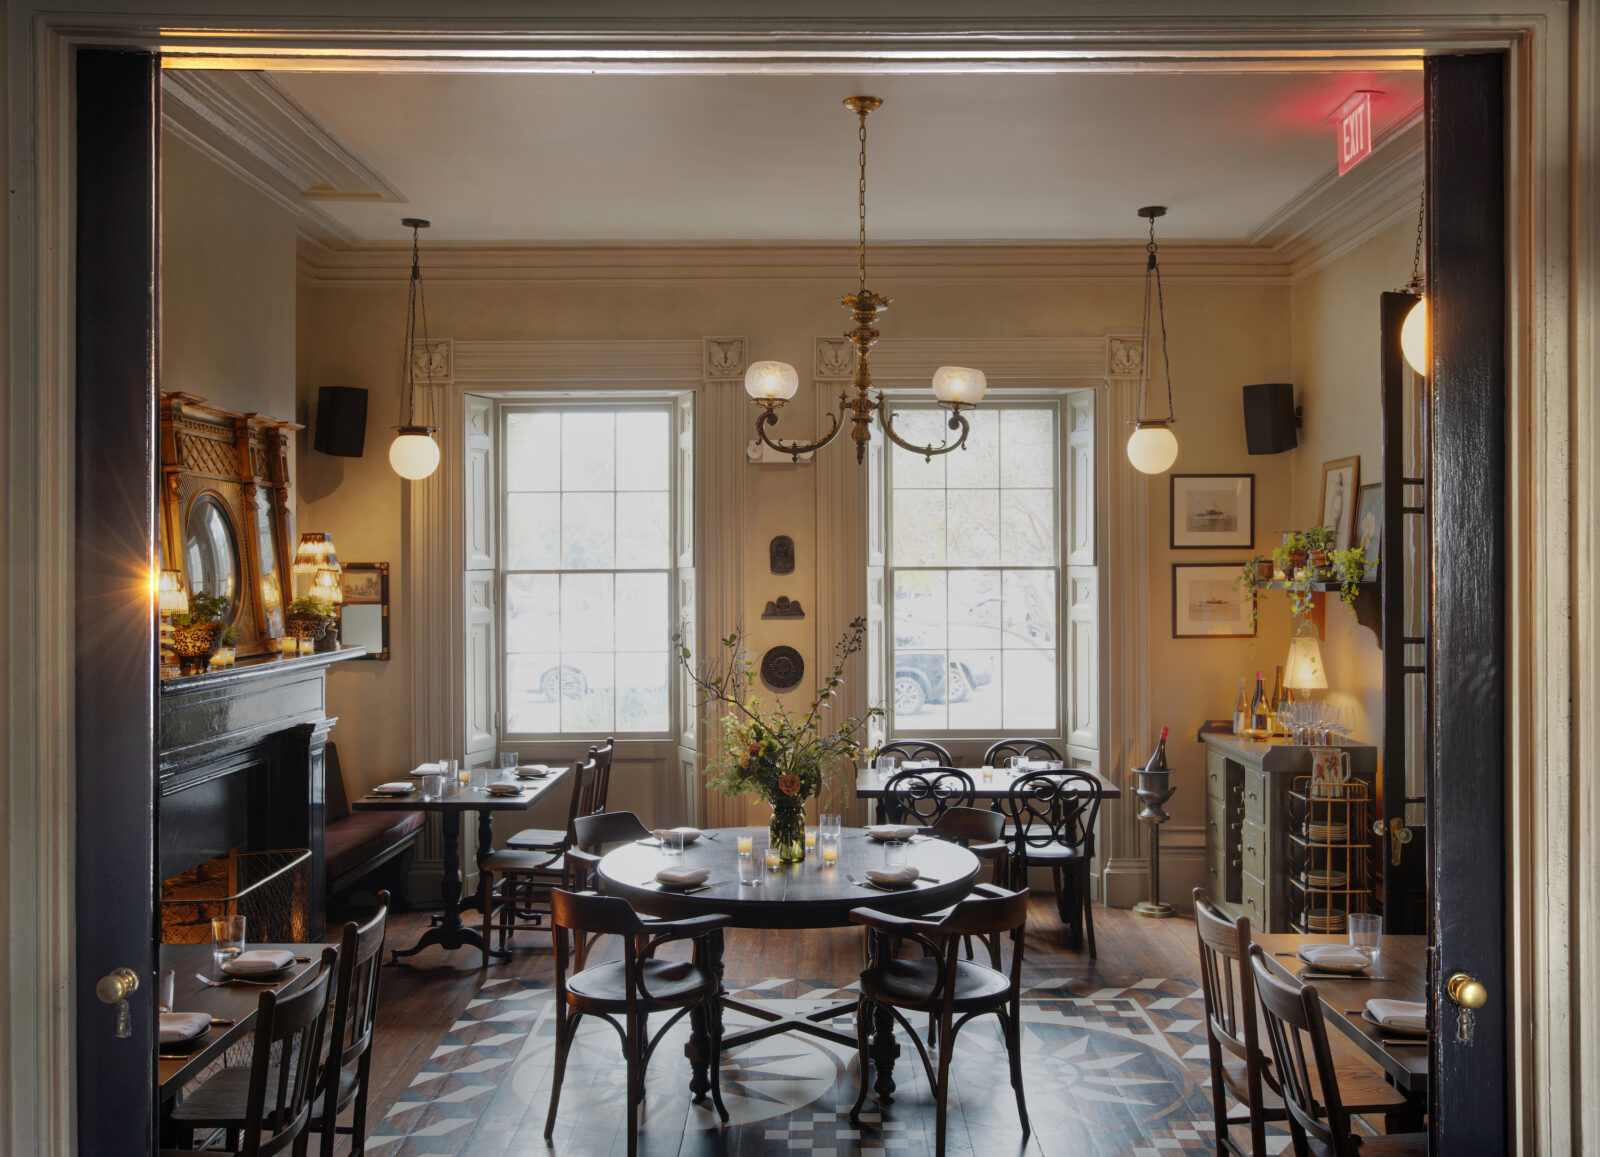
(1327, 833)
(1326, 878)
(1324, 920)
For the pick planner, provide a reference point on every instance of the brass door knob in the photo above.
(1466, 992)
(117, 985)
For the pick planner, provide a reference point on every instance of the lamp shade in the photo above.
(171, 598)
(314, 553)
(959, 384)
(771, 381)
(1152, 448)
(1304, 671)
(326, 586)
(1414, 337)
(414, 455)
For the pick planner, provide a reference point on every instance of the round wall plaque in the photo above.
(782, 668)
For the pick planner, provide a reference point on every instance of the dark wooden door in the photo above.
(114, 615)
(1465, 116)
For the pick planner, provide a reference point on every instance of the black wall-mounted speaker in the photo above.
(342, 421)
(1269, 418)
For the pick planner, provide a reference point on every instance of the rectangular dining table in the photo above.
(870, 785)
(450, 933)
(1401, 973)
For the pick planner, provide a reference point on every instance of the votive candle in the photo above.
(772, 858)
(830, 853)
(811, 839)
(289, 645)
(308, 646)
(746, 845)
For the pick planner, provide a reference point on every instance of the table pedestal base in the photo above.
(449, 932)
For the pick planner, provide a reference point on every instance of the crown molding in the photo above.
(249, 124)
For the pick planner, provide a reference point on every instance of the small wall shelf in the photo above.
(1368, 607)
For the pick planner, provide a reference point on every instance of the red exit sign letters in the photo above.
(1353, 119)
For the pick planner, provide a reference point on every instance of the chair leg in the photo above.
(714, 1029)
(863, 1032)
(486, 909)
(635, 1084)
(358, 1110)
(1086, 894)
(566, 1027)
(941, 1091)
(1014, 1054)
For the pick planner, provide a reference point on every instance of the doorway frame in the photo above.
(1553, 139)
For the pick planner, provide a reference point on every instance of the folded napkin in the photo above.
(397, 787)
(423, 769)
(914, 764)
(1405, 1015)
(532, 771)
(259, 960)
(891, 831)
(183, 1026)
(504, 789)
(894, 877)
(683, 877)
(690, 835)
(1333, 956)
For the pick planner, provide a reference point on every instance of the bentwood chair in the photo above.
(1051, 817)
(631, 989)
(1319, 1119)
(942, 984)
(590, 837)
(591, 799)
(1239, 1065)
(266, 1108)
(920, 796)
(917, 749)
(602, 780)
(1026, 748)
(517, 904)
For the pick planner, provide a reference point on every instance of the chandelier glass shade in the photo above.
(414, 454)
(1153, 447)
(771, 384)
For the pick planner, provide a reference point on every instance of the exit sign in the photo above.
(1353, 119)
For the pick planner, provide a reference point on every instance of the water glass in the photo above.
(894, 853)
(1366, 934)
(672, 843)
(887, 765)
(508, 761)
(227, 938)
(746, 846)
(432, 786)
(749, 870)
(168, 990)
(1017, 764)
(831, 825)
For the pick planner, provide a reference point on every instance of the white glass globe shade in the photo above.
(1414, 337)
(414, 456)
(1152, 448)
(959, 384)
(771, 381)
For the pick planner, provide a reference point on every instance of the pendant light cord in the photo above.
(416, 304)
(1416, 254)
(1152, 274)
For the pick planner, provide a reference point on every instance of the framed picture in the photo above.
(1208, 604)
(1369, 525)
(364, 614)
(1213, 511)
(1341, 478)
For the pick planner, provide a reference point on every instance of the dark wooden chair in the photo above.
(591, 835)
(1051, 818)
(355, 1011)
(520, 901)
(942, 984)
(1026, 748)
(266, 1108)
(588, 802)
(602, 782)
(632, 988)
(1319, 1118)
(981, 833)
(904, 749)
(920, 796)
(1238, 1063)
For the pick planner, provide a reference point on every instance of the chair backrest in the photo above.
(602, 780)
(355, 1004)
(987, 912)
(584, 773)
(997, 755)
(1052, 807)
(1229, 987)
(923, 794)
(917, 749)
(1293, 1017)
(586, 913)
(591, 834)
(968, 825)
(283, 1072)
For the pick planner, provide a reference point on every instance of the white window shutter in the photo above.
(1081, 592)
(479, 588)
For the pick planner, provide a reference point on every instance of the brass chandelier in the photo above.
(771, 383)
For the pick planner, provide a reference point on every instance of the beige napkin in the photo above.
(891, 832)
(690, 835)
(259, 960)
(1405, 1015)
(1333, 956)
(504, 789)
(395, 787)
(894, 877)
(683, 877)
(183, 1026)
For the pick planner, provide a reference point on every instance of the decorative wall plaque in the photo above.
(780, 554)
(783, 607)
(782, 668)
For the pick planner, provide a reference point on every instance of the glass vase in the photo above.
(787, 831)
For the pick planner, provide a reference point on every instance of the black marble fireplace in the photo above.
(241, 766)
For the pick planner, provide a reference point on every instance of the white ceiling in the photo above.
(563, 159)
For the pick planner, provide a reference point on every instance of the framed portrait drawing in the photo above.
(1369, 525)
(1207, 602)
(1341, 479)
(364, 614)
(1213, 511)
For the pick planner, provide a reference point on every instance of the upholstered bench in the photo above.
(357, 844)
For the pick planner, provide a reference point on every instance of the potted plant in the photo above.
(1318, 540)
(1350, 567)
(784, 758)
(1289, 556)
(308, 617)
(197, 634)
(1256, 574)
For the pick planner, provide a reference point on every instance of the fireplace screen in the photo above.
(270, 889)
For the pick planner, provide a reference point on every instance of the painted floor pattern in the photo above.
(1107, 1069)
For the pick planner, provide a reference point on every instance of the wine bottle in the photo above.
(1280, 705)
(1258, 707)
(1157, 763)
(1241, 710)
(1272, 704)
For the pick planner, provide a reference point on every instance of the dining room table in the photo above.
(452, 802)
(990, 785)
(1399, 973)
(803, 895)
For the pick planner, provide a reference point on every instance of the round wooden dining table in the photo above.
(798, 896)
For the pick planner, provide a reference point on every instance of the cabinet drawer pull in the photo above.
(1237, 862)
(1251, 795)
(1212, 823)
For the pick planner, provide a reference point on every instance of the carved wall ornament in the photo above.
(724, 357)
(783, 607)
(835, 358)
(780, 555)
(433, 360)
(782, 668)
(1124, 357)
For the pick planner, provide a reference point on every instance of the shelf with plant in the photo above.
(308, 617)
(197, 632)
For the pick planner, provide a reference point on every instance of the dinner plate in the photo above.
(1367, 1016)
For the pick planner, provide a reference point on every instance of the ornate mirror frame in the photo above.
(240, 460)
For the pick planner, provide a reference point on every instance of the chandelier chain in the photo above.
(1416, 254)
(861, 201)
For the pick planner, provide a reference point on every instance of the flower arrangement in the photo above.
(784, 757)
